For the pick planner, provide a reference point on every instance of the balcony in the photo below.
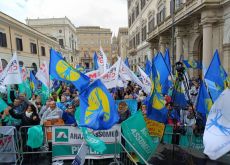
(132, 51)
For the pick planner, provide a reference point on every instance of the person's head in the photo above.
(63, 98)
(47, 103)
(52, 105)
(34, 96)
(17, 102)
(169, 105)
(30, 110)
(70, 109)
(191, 109)
(122, 107)
(38, 99)
(22, 96)
(76, 102)
(144, 108)
(54, 95)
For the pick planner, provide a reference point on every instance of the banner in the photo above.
(93, 74)
(7, 144)
(138, 136)
(145, 80)
(217, 130)
(66, 142)
(102, 61)
(155, 128)
(11, 74)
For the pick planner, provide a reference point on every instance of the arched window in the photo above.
(21, 63)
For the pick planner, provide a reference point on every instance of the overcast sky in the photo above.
(105, 13)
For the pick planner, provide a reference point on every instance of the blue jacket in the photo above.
(68, 118)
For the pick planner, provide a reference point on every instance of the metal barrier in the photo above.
(9, 147)
(28, 154)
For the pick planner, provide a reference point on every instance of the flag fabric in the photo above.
(167, 60)
(193, 64)
(138, 136)
(43, 74)
(61, 70)
(81, 155)
(148, 67)
(102, 61)
(213, 90)
(179, 96)
(80, 68)
(127, 62)
(204, 102)
(145, 80)
(217, 130)
(163, 71)
(34, 83)
(132, 105)
(110, 77)
(3, 105)
(98, 109)
(216, 72)
(156, 106)
(24, 87)
(95, 61)
(23, 73)
(11, 74)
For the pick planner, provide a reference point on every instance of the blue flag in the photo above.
(148, 67)
(178, 95)
(163, 71)
(98, 110)
(61, 70)
(95, 64)
(33, 82)
(156, 106)
(80, 68)
(193, 64)
(127, 62)
(204, 102)
(132, 105)
(167, 60)
(216, 73)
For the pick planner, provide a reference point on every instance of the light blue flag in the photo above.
(156, 106)
(33, 82)
(127, 62)
(98, 110)
(95, 64)
(61, 70)
(132, 104)
(216, 73)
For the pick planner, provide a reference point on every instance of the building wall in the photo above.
(90, 38)
(123, 41)
(15, 29)
(59, 28)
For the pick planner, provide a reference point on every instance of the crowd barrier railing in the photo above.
(9, 146)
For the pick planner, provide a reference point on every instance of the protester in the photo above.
(44, 108)
(68, 115)
(123, 111)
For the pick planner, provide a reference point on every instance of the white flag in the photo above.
(110, 77)
(216, 137)
(43, 74)
(24, 73)
(102, 61)
(93, 74)
(11, 74)
(145, 80)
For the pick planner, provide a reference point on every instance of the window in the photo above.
(137, 10)
(33, 48)
(143, 31)
(151, 24)
(60, 31)
(133, 16)
(142, 4)
(19, 44)
(61, 43)
(71, 58)
(43, 50)
(161, 16)
(3, 42)
(21, 63)
(130, 21)
(138, 38)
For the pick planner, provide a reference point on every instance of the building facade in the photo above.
(90, 38)
(32, 47)
(141, 20)
(114, 49)
(63, 31)
(123, 41)
(192, 28)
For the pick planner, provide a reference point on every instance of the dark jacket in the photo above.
(25, 121)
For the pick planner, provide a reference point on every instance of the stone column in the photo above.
(207, 44)
(179, 47)
(163, 41)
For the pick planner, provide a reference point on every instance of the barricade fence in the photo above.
(62, 142)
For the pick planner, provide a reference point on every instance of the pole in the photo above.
(10, 41)
(173, 31)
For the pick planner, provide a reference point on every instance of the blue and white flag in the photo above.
(217, 130)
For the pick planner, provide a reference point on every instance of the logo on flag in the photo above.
(61, 135)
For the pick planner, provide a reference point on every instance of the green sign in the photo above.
(138, 136)
(61, 135)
